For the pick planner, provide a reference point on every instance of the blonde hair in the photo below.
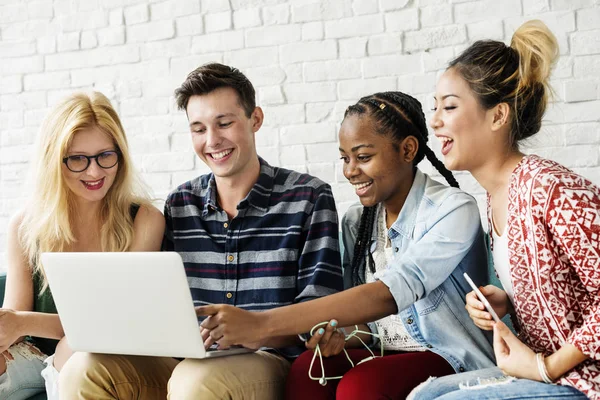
(517, 75)
(48, 217)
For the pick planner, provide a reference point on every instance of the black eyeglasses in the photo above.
(79, 163)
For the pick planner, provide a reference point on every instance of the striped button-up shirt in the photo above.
(281, 247)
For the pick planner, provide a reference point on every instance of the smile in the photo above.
(220, 155)
(359, 186)
(93, 185)
(446, 144)
(362, 188)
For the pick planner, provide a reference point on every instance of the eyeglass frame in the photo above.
(90, 158)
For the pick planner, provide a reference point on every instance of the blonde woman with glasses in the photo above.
(84, 197)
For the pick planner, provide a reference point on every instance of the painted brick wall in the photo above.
(308, 60)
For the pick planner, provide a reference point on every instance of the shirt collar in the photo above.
(258, 197)
(405, 223)
(210, 198)
(260, 194)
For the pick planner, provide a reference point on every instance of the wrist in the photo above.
(20, 323)
(552, 367)
(542, 369)
(267, 324)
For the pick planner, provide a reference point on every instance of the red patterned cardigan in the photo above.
(554, 252)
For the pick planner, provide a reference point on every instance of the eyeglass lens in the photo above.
(78, 163)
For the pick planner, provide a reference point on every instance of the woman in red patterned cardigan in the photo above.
(544, 221)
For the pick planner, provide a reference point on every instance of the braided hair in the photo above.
(399, 115)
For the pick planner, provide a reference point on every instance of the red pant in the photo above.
(390, 377)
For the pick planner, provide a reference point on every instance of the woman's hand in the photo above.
(497, 298)
(10, 328)
(513, 357)
(228, 325)
(330, 340)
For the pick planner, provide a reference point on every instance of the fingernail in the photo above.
(321, 331)
(334, 323)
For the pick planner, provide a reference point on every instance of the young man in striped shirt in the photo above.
(250, 235)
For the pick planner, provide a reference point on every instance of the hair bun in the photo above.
(538, 51)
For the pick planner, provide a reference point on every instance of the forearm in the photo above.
(565, 359)
(283, 341)
(40, 325)
(358, 305)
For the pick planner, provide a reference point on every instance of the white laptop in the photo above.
(126, 303)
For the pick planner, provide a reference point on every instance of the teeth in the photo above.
(96, 183)
(444, 139)
(359, 186)
(218, 156)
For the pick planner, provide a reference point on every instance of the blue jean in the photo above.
(491, 383)
(22, 378)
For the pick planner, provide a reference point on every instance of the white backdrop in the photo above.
(308, 60)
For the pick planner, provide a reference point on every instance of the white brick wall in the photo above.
(308, 59)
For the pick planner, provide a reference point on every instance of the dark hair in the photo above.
(398, 115)
(209, 77)
(517, 75)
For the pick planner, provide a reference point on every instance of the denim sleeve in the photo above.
(429, 260)
(319, 263)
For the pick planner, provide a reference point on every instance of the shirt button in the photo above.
(429, 346)
(461, 369)
(396, 249)
(229, 295)
(225, 225)
(409, 321)
(230, 258)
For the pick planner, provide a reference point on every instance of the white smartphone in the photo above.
(482, 298)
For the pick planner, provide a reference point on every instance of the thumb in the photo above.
(207, 310)
(315, 339)
(502, 330)
(511, 340)
(486, 290)
(501, 348)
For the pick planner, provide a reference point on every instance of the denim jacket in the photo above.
(436, 238)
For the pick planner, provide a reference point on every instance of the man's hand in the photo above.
(228, 325)
(9, 328)
(497, 298)
(513, 357)
(330, 340)
(206, 338)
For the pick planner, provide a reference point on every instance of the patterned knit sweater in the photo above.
(554, 251)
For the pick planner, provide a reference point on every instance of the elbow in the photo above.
(386, 298)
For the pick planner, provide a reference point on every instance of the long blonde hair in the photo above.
(47, 219)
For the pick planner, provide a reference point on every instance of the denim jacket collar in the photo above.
(405, 223)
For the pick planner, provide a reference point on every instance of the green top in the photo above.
(43, 302)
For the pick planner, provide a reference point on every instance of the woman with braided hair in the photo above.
(406, 248)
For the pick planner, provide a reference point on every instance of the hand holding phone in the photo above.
(482, 298)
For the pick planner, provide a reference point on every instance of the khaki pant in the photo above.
(259, 376)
